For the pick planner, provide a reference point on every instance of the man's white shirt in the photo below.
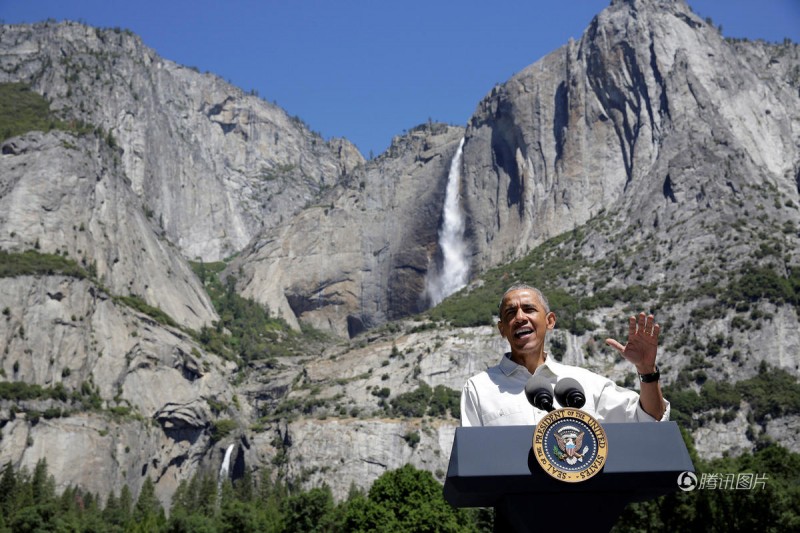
(496, 397)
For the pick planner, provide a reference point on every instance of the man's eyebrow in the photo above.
(531, 305)
(510, 307)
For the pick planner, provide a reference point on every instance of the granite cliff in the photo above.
(652, 163)
(359, 257)
(213, 164)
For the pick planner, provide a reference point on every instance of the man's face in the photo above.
(523, 321)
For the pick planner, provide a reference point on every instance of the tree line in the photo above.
(401, 500)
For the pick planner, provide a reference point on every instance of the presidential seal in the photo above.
(570, 445)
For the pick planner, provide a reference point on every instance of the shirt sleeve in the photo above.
(618, 404)
(643, 416)
(470, 406)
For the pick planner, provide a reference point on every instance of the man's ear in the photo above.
(501, 327)
(551, 320)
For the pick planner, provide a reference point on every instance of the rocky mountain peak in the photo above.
(215, 165)
(601, 123)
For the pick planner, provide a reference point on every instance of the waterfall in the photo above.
(455, 267)
(224, 470)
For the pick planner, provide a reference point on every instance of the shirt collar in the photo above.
(509, 367)
(554, 367)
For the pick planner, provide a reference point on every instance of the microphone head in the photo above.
(539, 393)
(569, 393)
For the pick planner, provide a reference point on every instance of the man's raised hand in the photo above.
(642, 343)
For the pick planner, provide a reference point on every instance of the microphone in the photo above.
(539, 393)
(569, 393)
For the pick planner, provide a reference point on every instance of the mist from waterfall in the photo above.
(454, 271)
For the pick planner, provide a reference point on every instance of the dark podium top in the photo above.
(492, 464)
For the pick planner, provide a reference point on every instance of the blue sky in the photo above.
(367, 69)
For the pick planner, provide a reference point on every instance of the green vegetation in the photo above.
(405, 499)
(771, 508)
(84, 398)
(291, 408)
(412, 438)
(755, 283)
(772, 393)
(425, 400)
(555, 264)
(33, 263)
(222, 428)
(282, 172)
(739, 291)
(22, 110)
(134, 302)
(575, 285)
(745, 288)
(19, 390)
(246, 331)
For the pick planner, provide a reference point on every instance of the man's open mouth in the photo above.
(523, 332)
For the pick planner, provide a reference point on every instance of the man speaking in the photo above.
(497, 396)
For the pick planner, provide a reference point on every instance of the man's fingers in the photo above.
(616, 345)
(642, 323)
(651, 329)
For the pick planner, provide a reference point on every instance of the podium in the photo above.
(495, 467)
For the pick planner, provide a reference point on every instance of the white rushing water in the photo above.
(455, 266)
(224, 470)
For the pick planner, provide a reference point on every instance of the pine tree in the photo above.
(125, 504)
(271, 497)
(206, 499)
(112, 511)
(180, 499)
(8, 489)
(148, 513)
(42, 484)
(244, 488)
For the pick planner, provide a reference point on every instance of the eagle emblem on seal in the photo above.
(569, 440)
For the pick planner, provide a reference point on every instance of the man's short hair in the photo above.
(520, 287)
